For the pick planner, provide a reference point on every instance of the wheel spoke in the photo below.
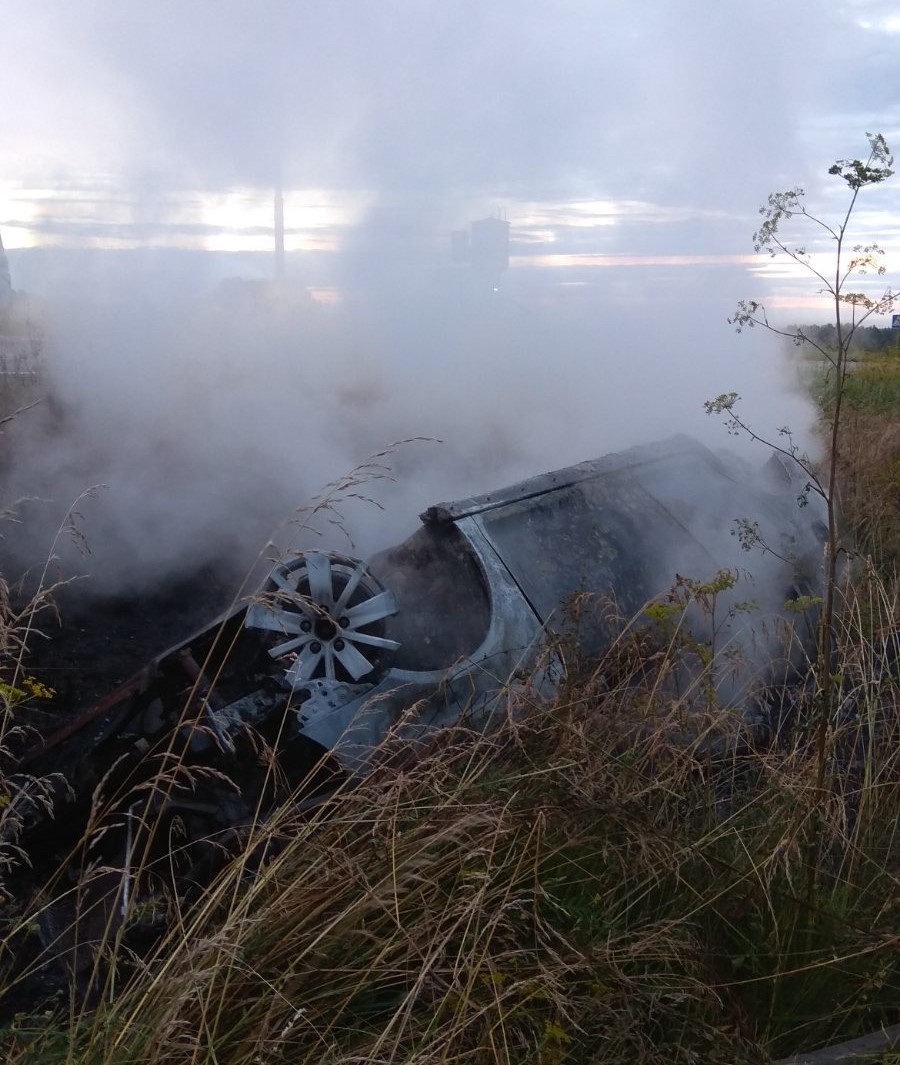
(294, 601)
(290, 645)
(374, 609)
(356, 664)
(306, 663)
(373, 641)
(285, 579)
(318, 572)
(355, 577)
(260, 616)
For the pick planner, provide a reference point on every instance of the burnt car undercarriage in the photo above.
(296, 689)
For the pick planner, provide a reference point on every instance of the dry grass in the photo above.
(571, 886)
(870, 485)
(620, 875)
(869, 460)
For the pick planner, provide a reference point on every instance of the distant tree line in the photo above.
(867, 339)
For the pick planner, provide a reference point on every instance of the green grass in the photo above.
(874, 387)
(869, 460)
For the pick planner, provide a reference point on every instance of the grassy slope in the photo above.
(871, 460)
(589, 883)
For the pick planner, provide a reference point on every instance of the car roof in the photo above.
(664, 451)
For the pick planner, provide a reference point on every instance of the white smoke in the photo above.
(209, 420)
(210, 412)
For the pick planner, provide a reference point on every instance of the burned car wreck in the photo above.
(296, 689)
(337, 649)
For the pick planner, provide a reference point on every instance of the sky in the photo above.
(603, 129)
(628, 144)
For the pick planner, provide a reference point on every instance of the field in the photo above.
(627, 873)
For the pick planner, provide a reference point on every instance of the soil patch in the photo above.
(96, 643)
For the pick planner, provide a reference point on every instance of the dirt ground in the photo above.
(93, 644)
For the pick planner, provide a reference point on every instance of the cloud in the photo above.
(690, 110)
(404, 96)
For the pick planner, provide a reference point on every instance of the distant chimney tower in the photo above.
(5, 281)
(279, 235)
(489, 247)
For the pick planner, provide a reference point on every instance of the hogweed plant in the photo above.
(852, 304)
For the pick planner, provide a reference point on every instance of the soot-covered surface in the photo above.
(93, 644)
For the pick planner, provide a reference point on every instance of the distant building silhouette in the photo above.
(485, 247)
(490, 246)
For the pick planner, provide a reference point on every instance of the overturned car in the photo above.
(296, 689)
(333, 651)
